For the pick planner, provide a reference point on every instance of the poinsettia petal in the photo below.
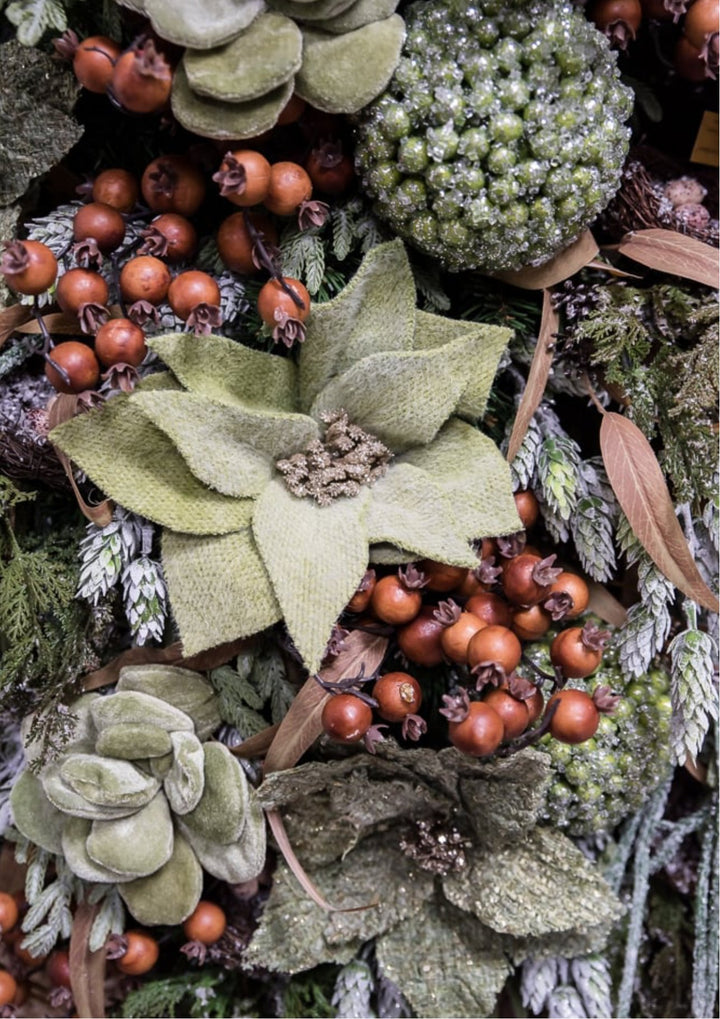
(316, 557)
(437, 331)
(404, 398)
(375, 312)
(223, 370)
(409, 510)
(470, 469)
(229, 448)
(136, 464)
(218, 587)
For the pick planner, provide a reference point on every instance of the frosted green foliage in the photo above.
(705, 955)
(557, 468)
(694, 658)
(353, 990)
(592, 522)
(501, 135)
(145, 599)
(33, 18)
(105, 553)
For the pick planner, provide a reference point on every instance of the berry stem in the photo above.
(532, 737)
(268, 263)
(48, 343)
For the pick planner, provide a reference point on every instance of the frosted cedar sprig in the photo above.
(145, 599)
(105, 552)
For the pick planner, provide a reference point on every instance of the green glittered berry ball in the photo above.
(501, 135)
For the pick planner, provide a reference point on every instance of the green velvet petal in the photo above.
(221, 813)
(311, 10)
(239, 861)
(316, 557)
(470, 469)
(374, 313)
(69, 801)
(184, 782)
(137, 845)
(206, 24)
(219, 588)
(136, 464)
(228, 372)
(329, 78)
(35, 816)
(231, 449)
(170, 894)
(409, 510)
(160, 766)
(186, 690)
(74, 849)
(491, 341)
(402, 398)
(362, 12)
(252, 64)
(106, 782)
(133, 740)
(135, 706)
(211, 118)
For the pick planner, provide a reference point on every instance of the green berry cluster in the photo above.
(501, 135)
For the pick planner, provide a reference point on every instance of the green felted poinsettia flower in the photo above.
(255, 530)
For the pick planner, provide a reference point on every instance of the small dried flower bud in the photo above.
(142, 312)
(544, 573)
(511, 545)
(204, 318)
(411, 577)
(520, 688)
(288, 330)
(91, 316)
(337, 640)
(312, 213)
(373, 736)
(87, 254)
(488, 672)
(487, 572)
(447, 612)
(605, 700)
(121, 376)
(66, 44)
(413, 727)
(15, 258)
(595, 638)
(232, 178)
(116, 946)
(558, 605)
(195, 951)
(456, 706)
(154, 243)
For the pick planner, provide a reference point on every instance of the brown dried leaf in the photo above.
(56, 322)
(639, 484)
(61, 408)
(257, 745)
(560, 267)
(606, 605)
(675, 253)
(87, 969)
(170, 655)
(301, 726)
(537, 377)
(11, 319)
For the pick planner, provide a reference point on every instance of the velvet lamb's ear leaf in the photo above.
(133, 741)
(134, 846)
(74, 849)
(211, 23)
(328, 78)
(221, 811)
(219, 588)
(261, 58)
(212, 118)
(315, 556)
(468, 467)
(137, 465)
(361, 12)
(170, 894)
(107, 783)
(233, 862)
(374, 313)
(35, 816)
(136, 706)
(185, 779)
(312, 10)
(186, 690)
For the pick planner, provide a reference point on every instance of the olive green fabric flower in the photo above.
(195, 450)
(142, 799)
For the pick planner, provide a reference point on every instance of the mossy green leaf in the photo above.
(186, 690)
(136, 464)
(315, 556)
(170, 894)
(222, 370)
(206, 24)
(34, 814)
(221, 812)
(134, 846)
(328, 78)
(374, 313)
(219, 588)
(74, 849)
(470, 469)
(360, 13)
(258, 60)
(409, 510)
(212, 118)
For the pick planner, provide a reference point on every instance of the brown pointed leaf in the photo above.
(170, 655)
(87, 969)
(257, 745)
(11, 319)
(61, 408)
(639, 484)
(606, 605)
(669, 251)
(560, 267)
(56, 322)
(301, 726)
(537, 377)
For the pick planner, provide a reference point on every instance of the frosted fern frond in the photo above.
(592, 531)
(353, 990)
(145, 599)
(427, 282)
(558, 465)
(639, 639)
(538, 980)
(302, 255)
(565, 1003)
(693, 691)
(341, 222)
(49, 918)
(591, 975)
(523, 468)
(33, 18)
(110, 918)
(105, 552)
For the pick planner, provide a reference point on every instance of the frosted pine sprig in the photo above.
(693, 690)
(145, 599)
(105, 552)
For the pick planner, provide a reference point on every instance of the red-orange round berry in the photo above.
(173, 184)
(393, 602)
(441, 577)
(513, 712)
(100, 222)
(289, 187)
(80, 286)
(141, 954)
(398, 694)
(190, 289)
(79, 362)
(36, 267)
(145, 278)
(94, 62)
(116, 187)
(570, 653)
(456, 637)
(120, 341)
(481, 733)
(420, 640)
(180, 234)
(345, 718)
(496, 644)
(490, 607)
(274, 298)
(576, 718)
(206, 923)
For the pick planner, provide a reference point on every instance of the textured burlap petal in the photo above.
(133, 741)
(206, 24)
(409, 510)
(259, 59)
(136, 464)
(404, 398)
(311, 10)
(237, 861)
(212, 118)
(185, 779)
(470, 469)
(228, 372)
(170, 894)
(329, 79)
(219, 588)
(491, 341)
(231, 449)
(187, 691)
(134, 846)
(137, 706)
(34, 815)
(374, 313)
(315, 556)
(74, 849)
(222, 810)
(362, 12)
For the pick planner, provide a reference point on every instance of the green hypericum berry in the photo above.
(520, 102)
